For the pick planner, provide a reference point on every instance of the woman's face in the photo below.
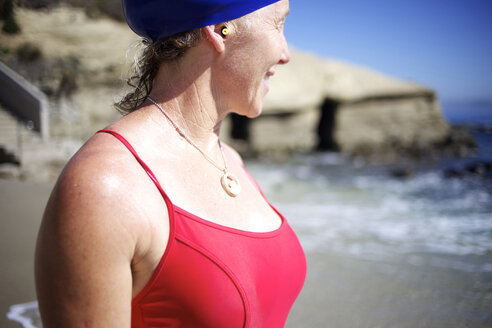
(251, 56)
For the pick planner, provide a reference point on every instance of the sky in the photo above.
(445, 45)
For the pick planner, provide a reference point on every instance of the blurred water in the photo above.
(426, 218)
(411, 252)
(434, 233)
(468, 113)
(27, 314)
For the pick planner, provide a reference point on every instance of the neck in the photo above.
(188, 101)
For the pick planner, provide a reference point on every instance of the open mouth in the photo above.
(267, 76)
(269, 73)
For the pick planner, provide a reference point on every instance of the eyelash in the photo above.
(280, 24)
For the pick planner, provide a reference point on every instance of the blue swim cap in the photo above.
(157, 19)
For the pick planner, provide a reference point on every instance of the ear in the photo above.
(215, 38)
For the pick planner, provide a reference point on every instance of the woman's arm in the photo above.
(85, 249)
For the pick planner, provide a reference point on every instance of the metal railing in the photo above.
(24, 100)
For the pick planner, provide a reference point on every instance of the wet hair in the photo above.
(145, 68)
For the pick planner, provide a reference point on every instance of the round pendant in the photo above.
(230, 183)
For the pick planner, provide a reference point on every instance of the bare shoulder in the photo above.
(102, 179)
(103, 188)
(91, 234)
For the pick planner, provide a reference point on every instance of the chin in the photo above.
(253, 107)
(254, 114)
(252, 110)
(255, 110)
(249, 114)
(256, 107)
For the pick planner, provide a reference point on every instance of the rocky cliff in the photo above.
(325, 104)
(314, 103)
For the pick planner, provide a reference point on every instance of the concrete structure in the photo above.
(24, 100)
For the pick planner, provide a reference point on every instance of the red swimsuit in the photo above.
(215, 276)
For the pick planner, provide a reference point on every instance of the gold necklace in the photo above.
(230, 183)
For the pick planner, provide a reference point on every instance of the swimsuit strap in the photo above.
(152, 175)
(140, 161)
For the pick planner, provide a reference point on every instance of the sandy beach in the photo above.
(21, 208)
(412, 251)
(340, 291)
(347, 293)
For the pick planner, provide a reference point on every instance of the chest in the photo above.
(198, 189)
(215, 276)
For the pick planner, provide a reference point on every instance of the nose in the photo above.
(285, 57)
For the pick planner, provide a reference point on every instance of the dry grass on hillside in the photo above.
(81, 61)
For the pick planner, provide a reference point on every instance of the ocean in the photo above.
(385, 250)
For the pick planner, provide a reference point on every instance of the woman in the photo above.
(154, 222)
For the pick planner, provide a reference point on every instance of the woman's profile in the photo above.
(156, 223)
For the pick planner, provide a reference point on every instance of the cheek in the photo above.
(244, 72)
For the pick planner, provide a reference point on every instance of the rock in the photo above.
(8, 157)
(9, 171)
(83, 64)
(325, 104)
(475, 168)
(401, 172)
(459, 142)
(314, 103)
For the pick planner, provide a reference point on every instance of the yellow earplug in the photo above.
(224, 31)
